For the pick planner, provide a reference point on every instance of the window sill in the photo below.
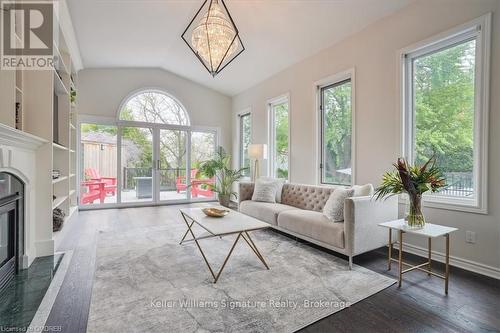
(446, 203)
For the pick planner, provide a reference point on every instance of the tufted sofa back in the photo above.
(307, 197)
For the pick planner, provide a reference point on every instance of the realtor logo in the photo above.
(27, 35)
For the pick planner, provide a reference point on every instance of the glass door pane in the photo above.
(136, 164)
(203, 148)
(98, 178)
(173, 183)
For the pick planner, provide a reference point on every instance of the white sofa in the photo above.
(300, 214)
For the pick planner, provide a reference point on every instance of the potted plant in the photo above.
(220, 168)
(415, 181)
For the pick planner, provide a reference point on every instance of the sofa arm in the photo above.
(245, 191)
(361, 218)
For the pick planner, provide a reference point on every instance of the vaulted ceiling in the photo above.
(276, 34)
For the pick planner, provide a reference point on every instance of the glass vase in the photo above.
(415, 218)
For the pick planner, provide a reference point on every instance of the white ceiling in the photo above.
(276, 34)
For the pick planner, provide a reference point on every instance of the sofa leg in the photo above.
(350, 262)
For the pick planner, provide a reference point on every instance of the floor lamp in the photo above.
(257, 152)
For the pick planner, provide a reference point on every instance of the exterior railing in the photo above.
(458, 184)
(168, 177)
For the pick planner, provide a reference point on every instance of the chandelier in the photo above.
(213, 36)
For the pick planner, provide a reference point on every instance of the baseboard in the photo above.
(468, 265)
(44, 248)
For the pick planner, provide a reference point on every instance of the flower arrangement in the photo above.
(415, 181)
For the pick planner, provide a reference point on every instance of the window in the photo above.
(445, 112)
(245, 140)
(279, 142)
(335, 102)
(154, 107)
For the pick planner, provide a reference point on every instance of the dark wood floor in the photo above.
(473, 304)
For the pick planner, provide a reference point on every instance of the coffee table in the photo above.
(234, 223)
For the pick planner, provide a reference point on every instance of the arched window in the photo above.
(154, 106)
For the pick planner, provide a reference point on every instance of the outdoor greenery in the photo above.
(281, 137)
(337, 133)
(444, 102)
(246, 138)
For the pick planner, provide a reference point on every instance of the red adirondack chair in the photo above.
(109, 182)
(198, 188)
(95, 190)
(180, 182)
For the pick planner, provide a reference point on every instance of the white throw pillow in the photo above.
(279, 186)
(265, 190)
(363, 190)
(334, 206)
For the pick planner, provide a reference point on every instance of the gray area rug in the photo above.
(146, 282)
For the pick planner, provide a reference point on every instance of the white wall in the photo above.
(101, 91)
(373, 53)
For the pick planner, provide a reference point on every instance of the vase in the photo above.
(224, 200)
(415, 218)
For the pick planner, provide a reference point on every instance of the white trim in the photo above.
(158, 90)
(281, 99)
(480, 29)
(329, 80)
(466, 264)
(239, 115)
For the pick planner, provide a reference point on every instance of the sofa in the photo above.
(300, 214)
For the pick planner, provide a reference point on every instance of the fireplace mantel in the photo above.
(15, 138)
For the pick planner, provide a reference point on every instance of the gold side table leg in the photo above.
(447, 269)
(400, 259)
(390, 250)
(429, 244)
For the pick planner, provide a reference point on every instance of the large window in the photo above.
(279, 141)
(336, 132)
(245, 129)
(443, 110)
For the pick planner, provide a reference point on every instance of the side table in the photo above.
(429, 231)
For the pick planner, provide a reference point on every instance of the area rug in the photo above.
(146, 282)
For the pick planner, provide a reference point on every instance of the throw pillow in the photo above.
(334, 206)
(265, 191)
(363, 190)
(279, 186)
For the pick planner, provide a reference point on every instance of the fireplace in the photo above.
(11, 226)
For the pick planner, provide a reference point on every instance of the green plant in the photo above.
(220, 168)
(415, 181)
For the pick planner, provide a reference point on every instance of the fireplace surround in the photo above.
(11, 226)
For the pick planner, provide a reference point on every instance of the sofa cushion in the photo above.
(313, 225)
(363, 190)
(264, 211)
(334, 206)
(265, 190)
(279, 186)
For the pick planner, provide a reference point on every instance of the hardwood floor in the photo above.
(419, 306)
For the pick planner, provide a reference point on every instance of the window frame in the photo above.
(329, 81)
(241, 115)
(480, 30)
(285, 98)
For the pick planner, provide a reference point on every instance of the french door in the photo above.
(160, 163)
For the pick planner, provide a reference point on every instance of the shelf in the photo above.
(72, 192)
(58, 146)
(18, 90)
(72, 210)
(58, 201)
(71, 175)
(61, 60)
(59, 85)
(71, 151)
(72, 127)
(58, 180)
